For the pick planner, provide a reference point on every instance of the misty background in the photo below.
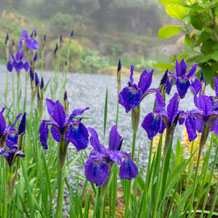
(104, 31)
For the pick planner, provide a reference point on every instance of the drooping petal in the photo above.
(130, 98)
(181, 68)
(151, 124)
(182, 87)
(10, 66)
(26, 66)
(78, 135)
(96, 172)
(50, 107)
(18, 65)
(77, 112)
(94, 141)
(3, 152)
(59, 116)
(145, 80)
(196, 86)
(115, 140)
(192, 71)
(55, 134)
(199, 123)
(43, 131)
(172, 108)
(128, 169)
(190, 124)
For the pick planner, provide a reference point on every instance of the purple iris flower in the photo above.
(156, 122)
(183, 79)
(97, 167)
(64, 126)
(11, 154)
(204, 117)
(17, 62)
(131, 96)
(6, 131)
(30, 41)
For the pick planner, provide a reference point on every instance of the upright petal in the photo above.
(182, 87)
(192, 71)
(116, 156)
(78, 135)
(216, 86)
(77, 112)
(131, 74)
(145, 80)
(181, 68)
(128, 169)
(172, 108)
(160, 103)
(168, 85)
(96, 172)
(130, 98)
(59, 116)
(95, 142)
(151, 125)
(26, 66)
(2, 125)
(205, 104)
(43, 131)
(115, 140)
(50, 107)
(25, 33)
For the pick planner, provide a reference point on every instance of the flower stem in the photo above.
(202, 142)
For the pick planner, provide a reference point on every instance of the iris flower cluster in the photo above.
(101, 159)
(9, 138)
(203, 120)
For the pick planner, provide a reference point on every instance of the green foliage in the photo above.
(92, 62)
(201, 31)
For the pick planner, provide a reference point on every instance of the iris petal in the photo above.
(115, 140)
(130, 98)
(128, 169)
(97, 173)
(79, 136)
(43, 131)
(152, 125)
(182, 87)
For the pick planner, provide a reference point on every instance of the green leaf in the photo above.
(196, 22)
(164, 66)
(189, 41)
(176, 11)
(169, 31)
(166, 2)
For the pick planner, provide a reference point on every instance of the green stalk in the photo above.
(18, 91)
(208, 187)
(13, 91)
(133, 144)
(61, 166)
